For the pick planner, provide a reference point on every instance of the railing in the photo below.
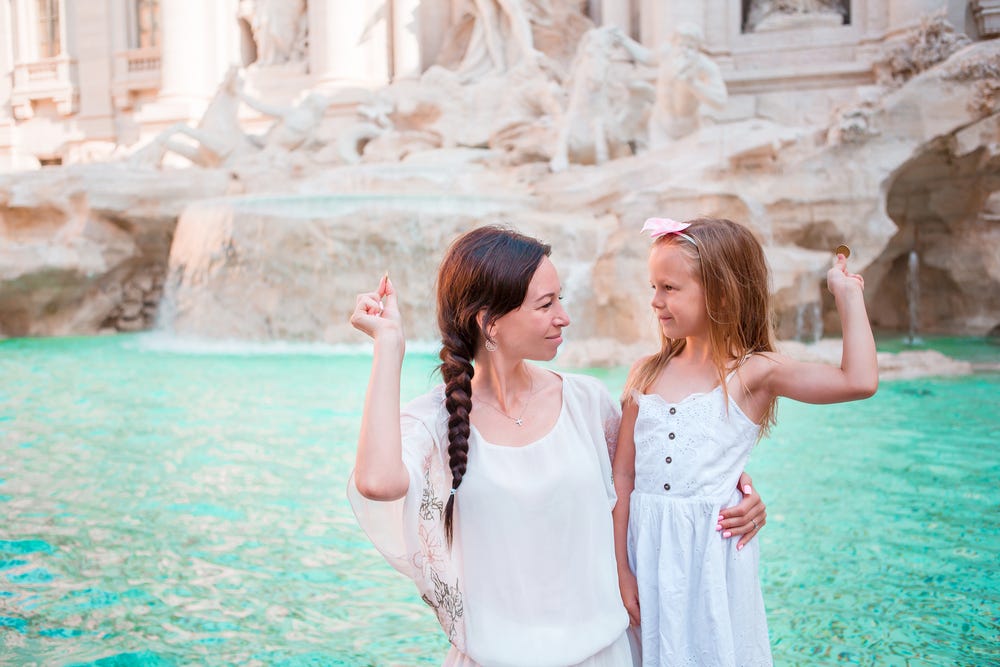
(48, 79)
(987, 13)
(135, 70)
(41, 71)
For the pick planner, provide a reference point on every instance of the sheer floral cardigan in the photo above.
(409, 532)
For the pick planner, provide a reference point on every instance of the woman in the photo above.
(493, 492)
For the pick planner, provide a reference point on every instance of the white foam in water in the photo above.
(160, 341)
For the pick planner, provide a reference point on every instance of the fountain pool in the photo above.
(176, 505)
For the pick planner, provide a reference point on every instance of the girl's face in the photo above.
(534, 330)
(678, 297)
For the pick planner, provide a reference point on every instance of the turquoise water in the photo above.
(164, 507)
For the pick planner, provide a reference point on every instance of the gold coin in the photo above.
(842, 250)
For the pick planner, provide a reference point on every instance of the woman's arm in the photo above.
(379, 472)
(623, 470)
(857, 376)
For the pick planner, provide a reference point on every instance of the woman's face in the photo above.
(534, 330)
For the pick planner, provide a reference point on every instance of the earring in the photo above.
(490, 345)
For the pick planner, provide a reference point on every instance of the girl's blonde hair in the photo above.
(733, 273)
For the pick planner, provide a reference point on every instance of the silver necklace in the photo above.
(519, 420)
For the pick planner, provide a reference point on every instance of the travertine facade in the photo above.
(82, 80)
(235, 168)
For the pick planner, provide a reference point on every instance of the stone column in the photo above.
(188, 77)
(196, 51)
(348, 43)
(434, 20)
(406, 62)
(659, 18)
(617, 12)
(7, 48)
(650, 22)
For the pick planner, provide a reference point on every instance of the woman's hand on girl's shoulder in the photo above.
(377, 313)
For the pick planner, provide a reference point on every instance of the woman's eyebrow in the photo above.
(548, 295)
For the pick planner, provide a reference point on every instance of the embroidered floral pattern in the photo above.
(446, 601)
(433, 557)
(431, 507)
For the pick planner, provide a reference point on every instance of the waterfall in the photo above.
(809, 322)
(913, 297)
(816, 315)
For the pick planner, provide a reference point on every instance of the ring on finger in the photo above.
(755, 526)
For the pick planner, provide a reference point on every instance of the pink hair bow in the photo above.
(658, 227)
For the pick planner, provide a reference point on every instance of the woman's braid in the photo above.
(457, 371)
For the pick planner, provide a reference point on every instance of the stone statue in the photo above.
(603, 115)
(218, 138)
(293, 126)
(781, 14)
(215, 139)
(388, 129)
(533, 108)
(500, 37)
(686, 79)
(279, 29)
(373, 121)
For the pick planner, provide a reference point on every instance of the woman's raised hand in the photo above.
(377, 312)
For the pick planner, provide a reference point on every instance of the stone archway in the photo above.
(946, 203)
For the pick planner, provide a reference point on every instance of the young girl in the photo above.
(692, 413)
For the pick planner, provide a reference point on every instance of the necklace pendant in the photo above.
(519, 421)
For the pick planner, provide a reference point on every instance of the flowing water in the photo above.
(913, 297)
(175, 505)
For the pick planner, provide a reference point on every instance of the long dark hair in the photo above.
(484, 271)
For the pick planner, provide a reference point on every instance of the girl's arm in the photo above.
(379, 472)
(623, 470)
(857, 376)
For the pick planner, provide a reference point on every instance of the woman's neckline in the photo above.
(542, 438)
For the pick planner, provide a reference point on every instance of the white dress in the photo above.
(531, 577)
(699, 597)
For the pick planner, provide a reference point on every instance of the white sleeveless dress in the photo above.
(699, 597)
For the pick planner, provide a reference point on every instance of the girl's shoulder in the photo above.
(756, 366)
(640, 362)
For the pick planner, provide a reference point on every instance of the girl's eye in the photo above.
(547, 305)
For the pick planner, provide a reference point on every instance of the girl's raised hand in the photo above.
(377, 312)
(839, 281)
